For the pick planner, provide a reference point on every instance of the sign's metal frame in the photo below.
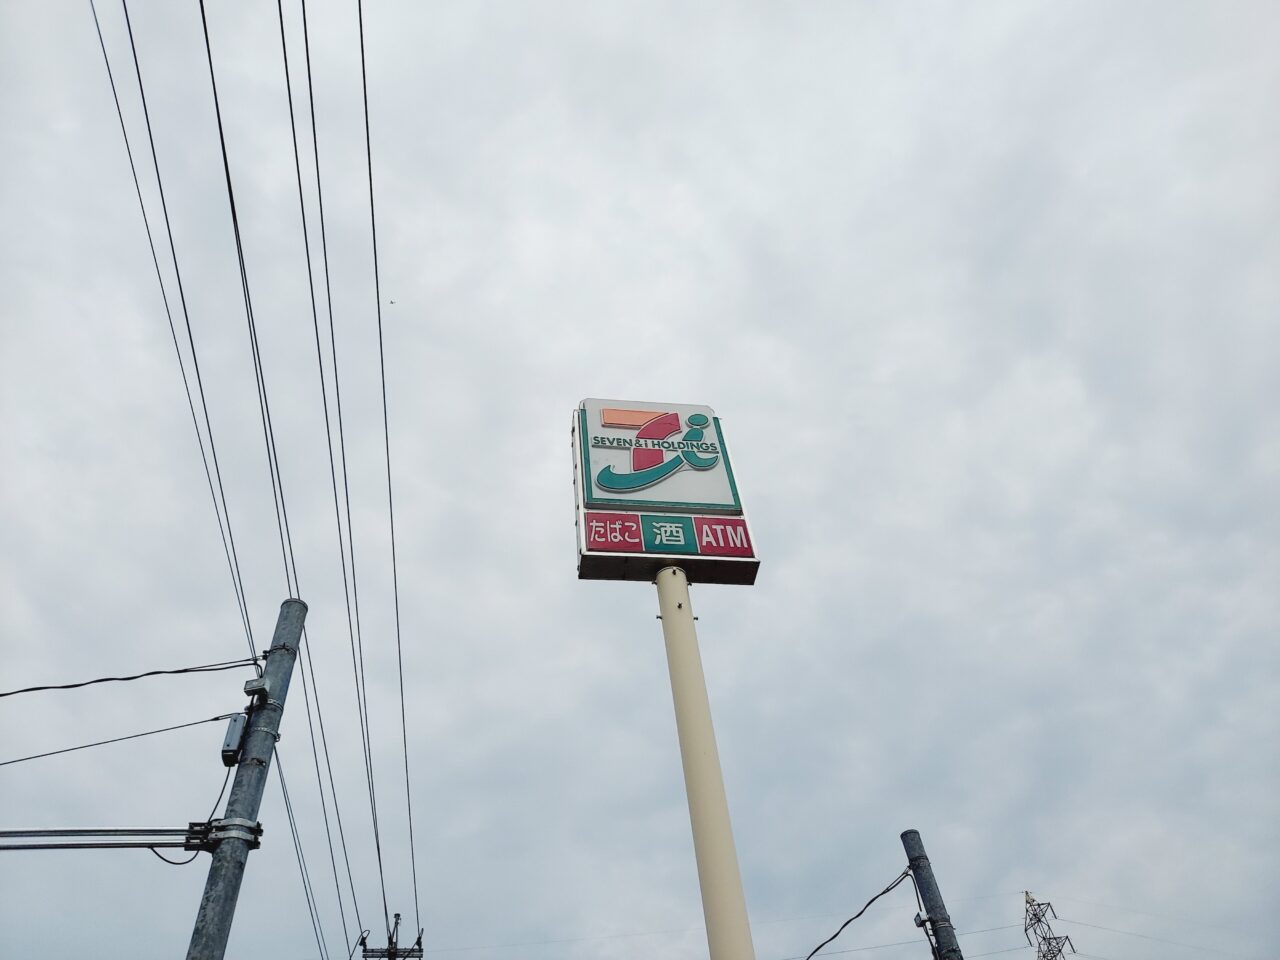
(644, 565)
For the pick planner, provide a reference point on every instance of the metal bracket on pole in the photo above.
(392, 951)
(108, 839)
(207, 836)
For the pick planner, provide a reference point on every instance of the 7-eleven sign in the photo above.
(656, 487)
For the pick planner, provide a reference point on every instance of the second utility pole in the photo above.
(935, 911)
(237, 833)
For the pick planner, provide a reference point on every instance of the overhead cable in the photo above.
(102, 743)
(309, 890)
(205, 668)
(229, 544)
(212, 813)
(175, 863)
(1143, 936)
(362, 939)
(1146, 913)
(386, 435)
(924, 928)
(905, 943)
(284, 51)
(277, 483)
(902, 876)
(351, 590)
(273, 463)
(219, 499)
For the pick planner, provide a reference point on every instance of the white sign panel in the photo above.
(660, 455)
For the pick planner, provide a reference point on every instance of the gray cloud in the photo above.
(984, 297)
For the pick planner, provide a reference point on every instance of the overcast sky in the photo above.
(986, 298)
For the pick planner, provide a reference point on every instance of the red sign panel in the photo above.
(722, 537)
(625, 533)
(614, 532)
(635, 546)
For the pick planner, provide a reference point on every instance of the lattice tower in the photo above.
(1036, 924)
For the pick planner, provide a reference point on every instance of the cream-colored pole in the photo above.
(723, 905)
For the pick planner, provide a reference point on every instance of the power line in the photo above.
(359, 940)
(386, 434)
(282, 512)
(902, 876)
(228, 536)
(315, 757)
(264, 408)
(312, 906)
(921, 912)
(315, 323)
(351, 588)
(132, 736)
(328, 431)
(273, 467)
(237, 579)
(206, 668)
(212, 812)
(225, 780)
(332, 789)
(1007, 926)
(348, 584)
(1143, 936)
(175, 863)
(353, 597)
(228, 542)
(1146, 913)
(902, 943)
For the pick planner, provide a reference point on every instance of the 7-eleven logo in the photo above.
(650, 462)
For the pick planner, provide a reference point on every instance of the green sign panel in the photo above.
(668, 534)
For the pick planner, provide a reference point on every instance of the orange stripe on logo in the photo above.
(613, 417)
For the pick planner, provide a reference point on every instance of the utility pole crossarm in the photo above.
(107, 839)
(197, 836)
(392, 951)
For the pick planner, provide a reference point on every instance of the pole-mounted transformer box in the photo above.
(231, 742)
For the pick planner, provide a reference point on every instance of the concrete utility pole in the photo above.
(935, 911)
(238, 832)
(723, 905)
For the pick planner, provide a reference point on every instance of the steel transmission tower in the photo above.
(1048, 947)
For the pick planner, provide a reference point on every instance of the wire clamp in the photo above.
(209, 835)
(271, 733)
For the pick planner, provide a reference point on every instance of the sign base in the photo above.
(645, 567)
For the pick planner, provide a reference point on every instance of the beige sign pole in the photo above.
(723, 905)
